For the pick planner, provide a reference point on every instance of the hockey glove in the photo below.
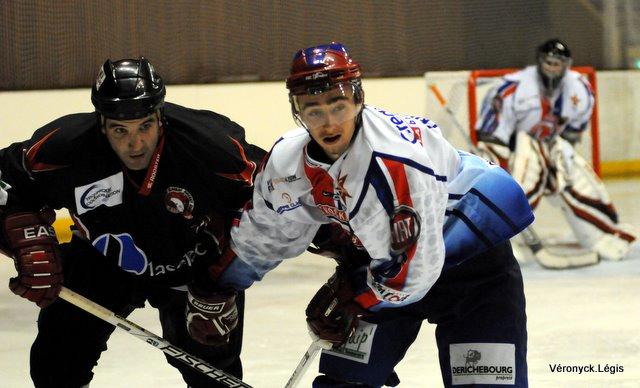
(33, 244)
(571, 135)
(333, 314)
(329, 241)
(334, 242)
(211, 316)
(547, 128)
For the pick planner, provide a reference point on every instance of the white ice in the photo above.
(575, 317)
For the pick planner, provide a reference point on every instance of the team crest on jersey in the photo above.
(179, 201)
(575, 100)
(342, 192)
(334, 213)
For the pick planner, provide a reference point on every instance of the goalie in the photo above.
(530, 124)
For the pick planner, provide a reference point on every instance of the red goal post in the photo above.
(452, 85)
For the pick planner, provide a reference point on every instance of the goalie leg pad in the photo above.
(494, 152)
(591, 215)
(530, 167)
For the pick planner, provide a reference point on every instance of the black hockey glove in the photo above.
(211, 316)
(333, 314)
(571, 135)
(334, 242)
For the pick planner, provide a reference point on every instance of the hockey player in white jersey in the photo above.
(529, 125)
(419, 229)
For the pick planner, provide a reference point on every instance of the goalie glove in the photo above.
(211, 316)
(34, 247)
(333, 314)
(571, 135)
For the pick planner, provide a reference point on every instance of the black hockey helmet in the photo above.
(127, 89)
(553, 50)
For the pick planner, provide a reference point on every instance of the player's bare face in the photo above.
(133, 140)
(330, 118)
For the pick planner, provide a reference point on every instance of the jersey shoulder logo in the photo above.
(107, 192)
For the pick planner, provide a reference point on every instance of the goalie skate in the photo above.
(576, 259)
(569, 254)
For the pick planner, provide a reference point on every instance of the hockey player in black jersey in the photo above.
(149, 186)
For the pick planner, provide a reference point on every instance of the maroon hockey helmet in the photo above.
(319, 69)
(316, 69)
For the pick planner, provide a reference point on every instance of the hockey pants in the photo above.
(479, 309)
(70, 340)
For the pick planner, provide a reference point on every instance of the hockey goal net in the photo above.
(462, 93)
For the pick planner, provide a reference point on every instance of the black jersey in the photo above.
(146, 224)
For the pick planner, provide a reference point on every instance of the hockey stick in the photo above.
(454, 120)
(150, 338)
(545, 258)
(304, 363)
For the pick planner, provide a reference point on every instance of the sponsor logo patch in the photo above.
(388, 294)
(107, 191)
(482, 363)
(405, 229)
(290, 205)
(271, 183)
(358, 346)
(122, 248)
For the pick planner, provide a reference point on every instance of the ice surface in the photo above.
(575, 317)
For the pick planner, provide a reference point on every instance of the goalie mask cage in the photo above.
(464, 92)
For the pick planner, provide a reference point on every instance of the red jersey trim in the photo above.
(245, 175)
(30, 156)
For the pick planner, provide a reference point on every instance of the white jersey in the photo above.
(524, 104)
(392, 161)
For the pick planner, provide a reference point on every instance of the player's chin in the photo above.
(137, 163)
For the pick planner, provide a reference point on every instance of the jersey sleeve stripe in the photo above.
(367, 299)
(507, 89)
(503, 216)
(403, 194)
(462, 217)
(375, 178)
